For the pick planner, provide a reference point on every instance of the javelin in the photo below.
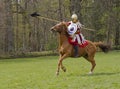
(35, 14)
(88, 29)
(48, 19)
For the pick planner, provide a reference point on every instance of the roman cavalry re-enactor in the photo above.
(66, 49)
(74, 30)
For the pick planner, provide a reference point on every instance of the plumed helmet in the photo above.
(74, 16)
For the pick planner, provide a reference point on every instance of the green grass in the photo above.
(39, 73)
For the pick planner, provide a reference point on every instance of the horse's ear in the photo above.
(63, 22)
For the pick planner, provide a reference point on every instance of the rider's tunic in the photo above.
(74, 30)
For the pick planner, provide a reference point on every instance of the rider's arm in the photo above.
(79, 27)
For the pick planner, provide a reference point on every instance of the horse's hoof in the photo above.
(90, 73)
(57, 73)
(64, 69)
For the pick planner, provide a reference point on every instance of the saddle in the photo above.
(84, 44)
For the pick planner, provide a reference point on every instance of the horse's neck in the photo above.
(62, 38)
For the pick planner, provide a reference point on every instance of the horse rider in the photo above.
(74, 30)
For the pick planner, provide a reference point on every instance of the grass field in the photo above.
(39, 73)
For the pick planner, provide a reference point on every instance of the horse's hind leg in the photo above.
(93, 65)
(92, 61)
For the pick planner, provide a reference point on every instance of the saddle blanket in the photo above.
(84, 44)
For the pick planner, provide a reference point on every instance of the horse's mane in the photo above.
(65, 27)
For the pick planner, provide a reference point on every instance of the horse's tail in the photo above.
(105, 48)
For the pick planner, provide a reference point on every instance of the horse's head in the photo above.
(60, 28)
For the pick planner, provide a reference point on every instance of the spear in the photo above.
(35, 14)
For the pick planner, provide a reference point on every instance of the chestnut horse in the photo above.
(66, 49)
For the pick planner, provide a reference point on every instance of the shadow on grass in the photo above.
(101, 74)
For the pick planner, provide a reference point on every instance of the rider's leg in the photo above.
(82, 38)
(78, 38)
(76, 54)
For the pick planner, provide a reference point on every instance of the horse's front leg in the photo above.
(57, 72)
(63, 68)
(60, 63)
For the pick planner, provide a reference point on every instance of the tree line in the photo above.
(22, 33)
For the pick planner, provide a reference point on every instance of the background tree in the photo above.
(19, 32)
(9, 33)
(75, 7)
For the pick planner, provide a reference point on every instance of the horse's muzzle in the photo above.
(52, 29)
